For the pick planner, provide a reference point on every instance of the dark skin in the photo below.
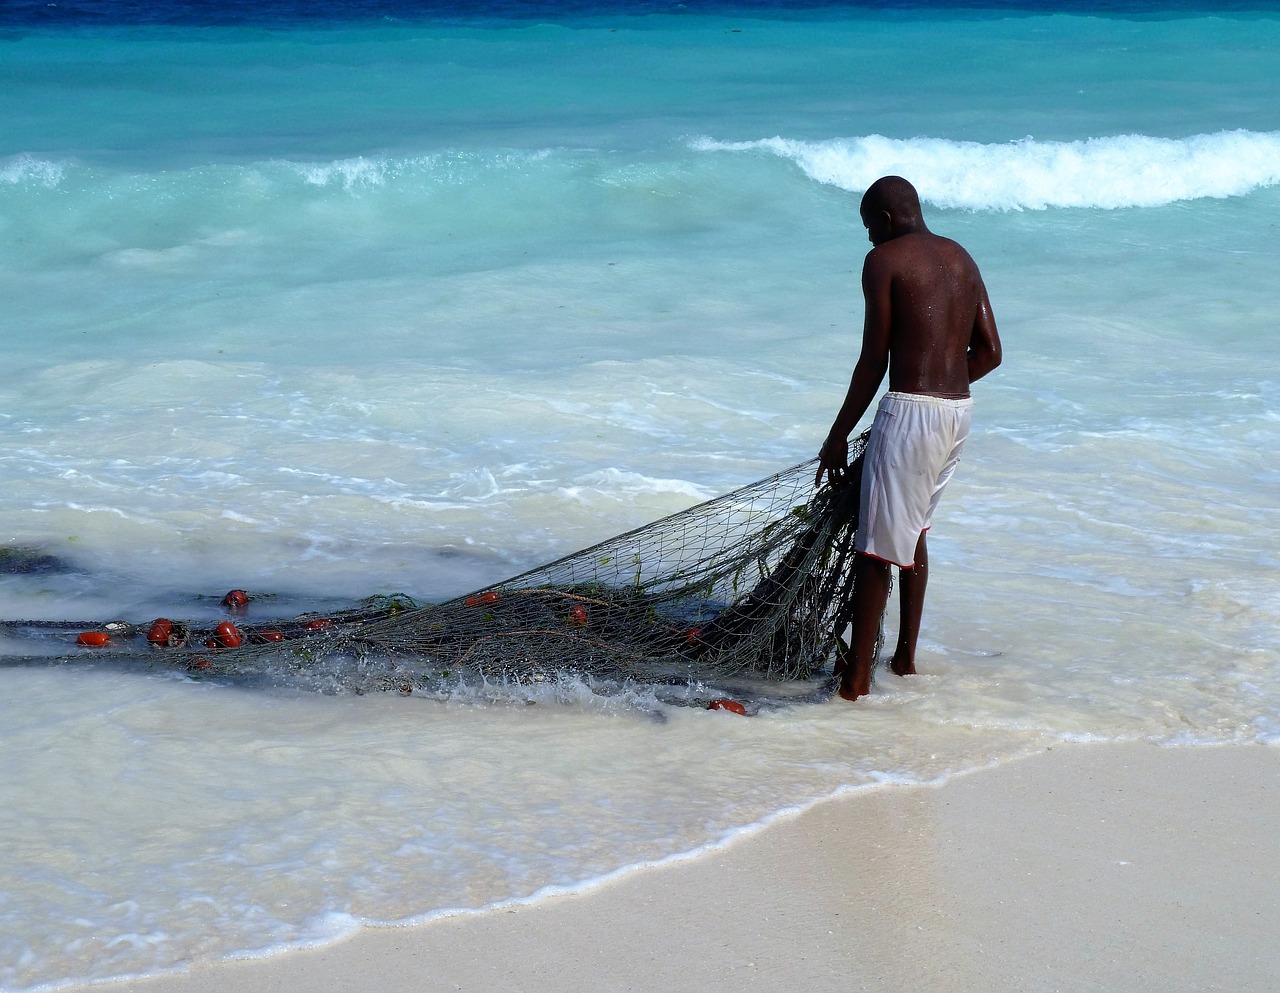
(929, 324)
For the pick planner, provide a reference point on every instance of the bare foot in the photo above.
(901, 668)
(855, 684)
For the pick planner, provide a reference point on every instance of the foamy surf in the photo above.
(1131, 170)
(20, 169)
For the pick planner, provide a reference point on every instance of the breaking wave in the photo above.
(1121, 171)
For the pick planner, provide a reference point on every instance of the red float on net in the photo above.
(227, 635)
(160, 631)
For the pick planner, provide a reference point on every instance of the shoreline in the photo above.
(1091, 866)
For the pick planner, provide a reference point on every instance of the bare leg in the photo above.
(870, 593)
(911, 596)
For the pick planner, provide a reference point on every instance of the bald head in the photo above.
(895, 195)
(891, 207)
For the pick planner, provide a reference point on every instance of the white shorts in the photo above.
(914, 447)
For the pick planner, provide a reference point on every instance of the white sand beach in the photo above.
(1087, 867)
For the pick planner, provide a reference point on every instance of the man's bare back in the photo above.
(928, 323)
(931, 294)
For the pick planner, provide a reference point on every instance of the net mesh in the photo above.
(755, 583)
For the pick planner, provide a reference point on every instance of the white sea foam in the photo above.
(1130, 170)
(348, 173)
(366, 172)
(29, 169)
(631, 483)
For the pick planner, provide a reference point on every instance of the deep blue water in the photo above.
(286, 13)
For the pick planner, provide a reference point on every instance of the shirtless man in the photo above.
(929, 324)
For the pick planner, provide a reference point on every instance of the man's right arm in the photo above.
(873, 363)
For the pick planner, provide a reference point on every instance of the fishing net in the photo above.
(755, 583)
(752, 582)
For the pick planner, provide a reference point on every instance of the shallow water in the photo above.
(414, 307)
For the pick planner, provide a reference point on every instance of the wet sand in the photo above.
(1087, 867)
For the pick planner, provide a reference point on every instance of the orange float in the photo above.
(235, 599)
(578, 615)
(227, 635)
(271, 635)
(319, 624)
(93, 639)
(481, 599)
(733, 706)
(693, 636)
(161, 629)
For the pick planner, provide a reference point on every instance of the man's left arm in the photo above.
(985, 351)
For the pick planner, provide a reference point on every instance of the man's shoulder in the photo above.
(910, 250)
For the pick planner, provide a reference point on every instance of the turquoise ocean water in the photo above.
(396, 299)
